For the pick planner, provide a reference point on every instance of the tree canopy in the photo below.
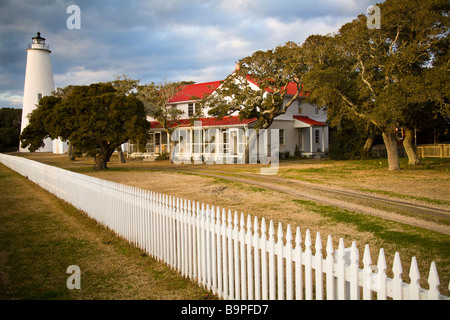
(380, 74)
(10, 119)
(96, 119)
(156, 98)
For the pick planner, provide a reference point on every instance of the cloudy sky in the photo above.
(156, 40)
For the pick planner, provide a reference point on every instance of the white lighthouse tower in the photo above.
(38, 82)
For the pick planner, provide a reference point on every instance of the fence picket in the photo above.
(331, 288)
(318, 267)
(381, 276)
(308, 267)
(271, 253)
(289, 261)
(414, 287)
(397, 283)
(280, 263)
(224, 255)
(341, 287)
(233, 258)
(256, 259)
(249, 259)
(354, 272)
(298, 256)
(433, 281)
(264, 278)
(243, 259)
(230, 256)
(237, 278)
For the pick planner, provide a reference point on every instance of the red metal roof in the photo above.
(196, 90)
(200, 90)
(291, 87)
(207, 122)
(309, 121)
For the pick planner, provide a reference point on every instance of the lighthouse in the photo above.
(38, 82)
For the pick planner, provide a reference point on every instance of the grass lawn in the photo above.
(40, 236)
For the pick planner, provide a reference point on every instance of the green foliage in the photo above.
(163, 156)
(382, 75)
(96, 119)
(272, 71)
(156, 98)
(346, 144)
(10, 119)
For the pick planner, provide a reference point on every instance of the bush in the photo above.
(162, 156)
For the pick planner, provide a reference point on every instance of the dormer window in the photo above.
(191, 109)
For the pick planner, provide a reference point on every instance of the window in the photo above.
(39, 96)
(317, 136)
(317, 111)
(197, 141)
(282, 137)
(190, 109)
(300, 107)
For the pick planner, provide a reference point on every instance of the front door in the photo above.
(157, 142)
(154, 143)
(300, 139)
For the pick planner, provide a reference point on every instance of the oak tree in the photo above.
(374, 73)
(96, 119)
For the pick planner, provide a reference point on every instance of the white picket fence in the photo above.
(233, 257)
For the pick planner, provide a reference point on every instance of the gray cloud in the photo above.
(154, 40)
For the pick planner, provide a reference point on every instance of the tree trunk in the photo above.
(251, 147)
(390, 142)
(102, 158)
(100, 162)
(368, 145)
(70, 152)
(121, 156)
(172, 145)
(413, 159)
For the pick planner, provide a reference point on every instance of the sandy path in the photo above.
(345, 199)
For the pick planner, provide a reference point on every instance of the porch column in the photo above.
(217, 152)
(311, 139)
(323, 140)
